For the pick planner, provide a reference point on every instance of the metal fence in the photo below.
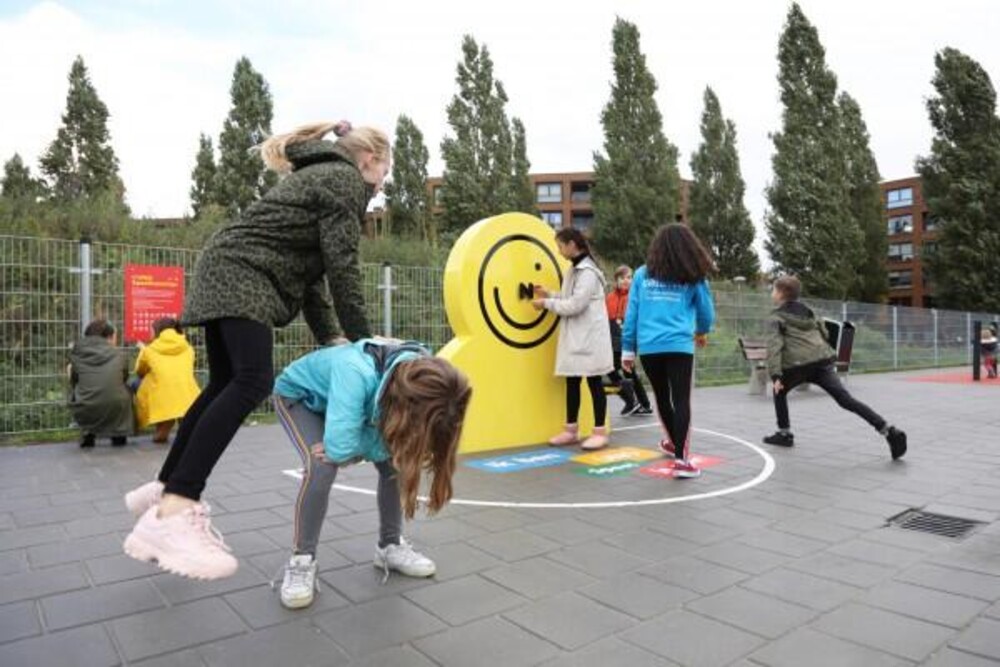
(50, 287)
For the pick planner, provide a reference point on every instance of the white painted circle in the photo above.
(762, 476)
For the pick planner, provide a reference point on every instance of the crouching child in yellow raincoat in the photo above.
(168, 387)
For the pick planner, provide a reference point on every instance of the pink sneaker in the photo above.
(598, 439)
(185, 544)
(666, 447)
(141, 499)
(569, 436)
(685, 469)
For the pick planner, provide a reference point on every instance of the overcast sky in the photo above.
(163, 67)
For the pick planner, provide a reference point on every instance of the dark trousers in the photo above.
(824, 376)
(671, 373)
(596, 394)
(240, 375)
(629, 382)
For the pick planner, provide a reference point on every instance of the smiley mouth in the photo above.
(512, 322)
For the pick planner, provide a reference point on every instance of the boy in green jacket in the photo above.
(798, 352)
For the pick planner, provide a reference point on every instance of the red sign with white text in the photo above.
(151, 292)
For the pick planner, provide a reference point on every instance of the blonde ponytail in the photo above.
(353, 140)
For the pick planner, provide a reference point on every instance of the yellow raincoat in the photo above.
(168, 387)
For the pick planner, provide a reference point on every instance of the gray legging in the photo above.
(305, 428)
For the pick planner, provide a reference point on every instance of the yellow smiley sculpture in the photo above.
(505, 346)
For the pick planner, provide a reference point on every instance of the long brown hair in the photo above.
(422, 409)
(676, 255)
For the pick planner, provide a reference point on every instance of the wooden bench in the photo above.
(755, 352)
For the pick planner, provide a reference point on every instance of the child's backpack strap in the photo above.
(385, 354)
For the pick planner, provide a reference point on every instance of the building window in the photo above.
(931, 223)
(554, 218)
(436, 194)
(580, 192)
(900, 252)
(583, 221)
(901, 301)
(549, 193)
(928, 248)
(900, 279)
(901, 224)
(899, 198)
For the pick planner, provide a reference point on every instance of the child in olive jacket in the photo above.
(798, 352)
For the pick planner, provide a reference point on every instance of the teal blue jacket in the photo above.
(344, 383)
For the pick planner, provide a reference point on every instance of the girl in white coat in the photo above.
(584, 347)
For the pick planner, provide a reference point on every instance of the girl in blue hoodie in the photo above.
(387, 402)
(669, 311)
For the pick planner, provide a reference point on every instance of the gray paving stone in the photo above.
(638, 595)
(292, 643)
(178, 590)
(20, 538)
(363, 583)
(163, 631)
(693, 640)
(598, 559)
(949, 657)
(782, 543)
(960, 582)
(651, 545)
(233, 522)
(13, 561)
(929, 605)
(814, 529)
(756, 612)
(119, 523)
(189, 658)
(440, 531)
(610, 652)
(569, 620)
(741, 557)
(46, 555)
(249, 543)
(466, 599)
(695, 531)
(693, 574)
(260, 607)
(110, 569)
(843, 569)
(569, 531)
(459, 559)
(89, 646)
(875, 552)
(372, 626)
(982, 638)
(491, 642)
(39, 583)
(496, 520)
(252, 501)
(538, 577)
(98, 604)
(399, 656)
(803, 589)
(513, 545)
(808, 647)
(47, 515)
(885, 631)
(19, 620)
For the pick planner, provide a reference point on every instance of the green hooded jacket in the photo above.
(99, 401)
(271, 263)
(797, 337)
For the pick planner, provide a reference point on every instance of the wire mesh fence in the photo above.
(42, 312)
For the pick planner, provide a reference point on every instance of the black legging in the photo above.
(670, 374)
(573, 383)
(240, 375)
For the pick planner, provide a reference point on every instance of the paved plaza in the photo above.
(773, 557)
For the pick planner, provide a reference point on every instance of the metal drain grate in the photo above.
(954, 527)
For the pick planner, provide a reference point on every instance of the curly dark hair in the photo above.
(676, 255)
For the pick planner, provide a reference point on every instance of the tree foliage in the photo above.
(406, 193)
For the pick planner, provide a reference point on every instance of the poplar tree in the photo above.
(18, 183)
(522, 193)
(203, 177)
(810, 229)
(716, 210)
(961, 182)
(406, 193)
(636, 183)
(80, 163)
(242, 177)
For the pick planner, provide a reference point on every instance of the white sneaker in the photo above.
(403, 559)
(299, 584)
(141, 499)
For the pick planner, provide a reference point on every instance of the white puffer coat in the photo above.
(584, 346)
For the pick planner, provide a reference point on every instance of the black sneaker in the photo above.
(119, 441)
(897, 442)
(87, 442)
(643, 410)
(781, 439)
(629, 409)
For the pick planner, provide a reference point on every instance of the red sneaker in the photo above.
(685, 469)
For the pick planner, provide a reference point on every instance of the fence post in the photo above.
(386, 287)
(895, 336)
(968, 332)
(843, 311)
(934, 314)
(86, 286)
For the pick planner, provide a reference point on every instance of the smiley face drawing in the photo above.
(505, 346)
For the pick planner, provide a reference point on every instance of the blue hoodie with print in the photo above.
(665, 316)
